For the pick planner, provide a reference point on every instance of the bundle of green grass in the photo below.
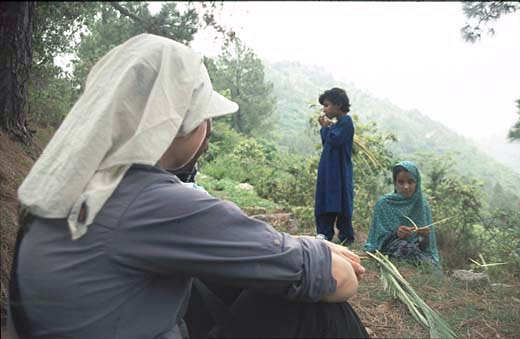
(400, 288)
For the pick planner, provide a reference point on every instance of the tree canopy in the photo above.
(480, 15)
(240, 73)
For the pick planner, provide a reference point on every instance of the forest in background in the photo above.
(272, 142)
(298, 86)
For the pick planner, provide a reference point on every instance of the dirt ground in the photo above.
(15, 162)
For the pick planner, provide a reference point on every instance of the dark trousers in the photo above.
(256, 315)
(325, 226)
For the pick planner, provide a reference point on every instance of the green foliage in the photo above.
(51, 96)
(452, 195)
(502, 198)
(514, 132)
(240, 72)
(56, 27)
(223, 140)
(112, 28)
(228, 189)
(501, 234)
(481, 13)
(90, 29)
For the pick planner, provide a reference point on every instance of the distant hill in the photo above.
(297, 85)
(501, 149)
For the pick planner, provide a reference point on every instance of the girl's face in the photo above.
(331, 110)
(405, 184)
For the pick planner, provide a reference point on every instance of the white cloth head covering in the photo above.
(137, 99)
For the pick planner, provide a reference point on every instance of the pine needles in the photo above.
(394, 282)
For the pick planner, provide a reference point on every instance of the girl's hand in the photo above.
(425, 232)
(324, 121)
(404, 232)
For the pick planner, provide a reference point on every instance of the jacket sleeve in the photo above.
(175, 229)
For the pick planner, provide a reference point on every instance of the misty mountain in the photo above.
(296, 86)
(498, 147)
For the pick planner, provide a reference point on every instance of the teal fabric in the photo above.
(390, 212)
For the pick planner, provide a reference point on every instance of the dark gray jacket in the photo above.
(130, 275)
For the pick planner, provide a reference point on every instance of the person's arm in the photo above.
(339, 133)
(323, 134)
(175, 230)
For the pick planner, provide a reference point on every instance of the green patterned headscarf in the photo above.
(391, 209)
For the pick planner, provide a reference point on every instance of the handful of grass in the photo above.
(394, 282)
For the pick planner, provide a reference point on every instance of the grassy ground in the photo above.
(228, 189)
(479, 312)
(492, 311)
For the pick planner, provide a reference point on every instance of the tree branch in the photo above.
(121, 9)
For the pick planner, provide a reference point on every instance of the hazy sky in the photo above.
(411, 53)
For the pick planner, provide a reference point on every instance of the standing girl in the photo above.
(335, 185)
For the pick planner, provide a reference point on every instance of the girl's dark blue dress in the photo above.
(335, 184)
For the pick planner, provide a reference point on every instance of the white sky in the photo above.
(409, 52)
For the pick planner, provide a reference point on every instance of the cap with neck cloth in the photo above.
(138, 98)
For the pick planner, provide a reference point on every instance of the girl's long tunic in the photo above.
(335, 184)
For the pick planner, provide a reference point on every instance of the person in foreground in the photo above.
(334, 201)
(110, 240)
(391, 232)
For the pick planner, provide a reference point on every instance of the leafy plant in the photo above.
(394, 282)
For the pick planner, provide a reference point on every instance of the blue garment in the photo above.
(335, 184)
(325, 226)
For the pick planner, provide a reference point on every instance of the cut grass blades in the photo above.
(394, 282)
(485, 265)
(433, 223)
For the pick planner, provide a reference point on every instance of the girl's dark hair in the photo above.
(336, 96)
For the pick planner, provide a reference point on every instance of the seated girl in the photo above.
(391, 232)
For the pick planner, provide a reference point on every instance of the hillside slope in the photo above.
(15, 162)
(297, 85)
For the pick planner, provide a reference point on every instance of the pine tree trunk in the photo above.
(15, 63)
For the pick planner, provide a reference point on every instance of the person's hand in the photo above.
(324, 121)
(404, 232)
(345, 253)
(424, 232)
